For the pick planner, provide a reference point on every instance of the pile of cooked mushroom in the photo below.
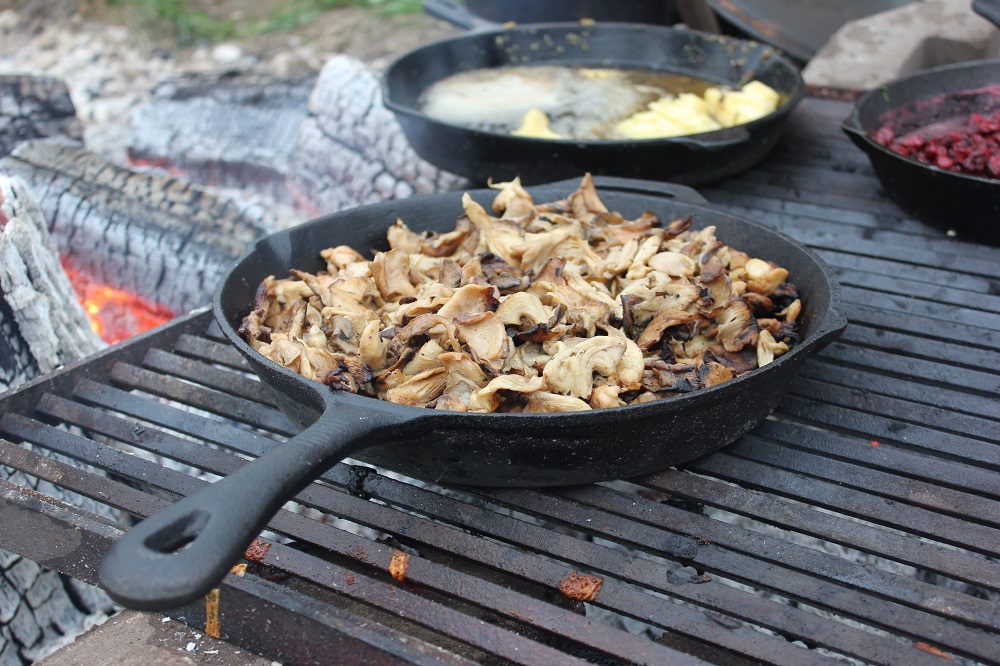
(553, 307)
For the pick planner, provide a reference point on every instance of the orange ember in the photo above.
(115, 315)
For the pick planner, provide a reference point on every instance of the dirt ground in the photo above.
(363, 33)
(111, 56)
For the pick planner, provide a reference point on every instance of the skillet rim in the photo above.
(700, 140)
(830, 322)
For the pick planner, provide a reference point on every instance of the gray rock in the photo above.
(871, 51)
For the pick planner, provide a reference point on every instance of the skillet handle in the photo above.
(456, 13)
(179, 554)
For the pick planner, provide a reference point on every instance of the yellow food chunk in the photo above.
(535, 125)
(690, 114)
(735, 107)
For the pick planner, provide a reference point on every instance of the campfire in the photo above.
(115, 314)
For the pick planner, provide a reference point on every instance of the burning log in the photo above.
(322, 148)
(44, 326)
(351, 150)
(156, 237)
(223, 130)
(41, 327)
(32, 107)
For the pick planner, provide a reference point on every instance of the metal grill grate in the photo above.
(862, 520)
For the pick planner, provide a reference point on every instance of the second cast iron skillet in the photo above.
(180, 553)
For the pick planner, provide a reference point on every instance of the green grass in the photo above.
(189, 24)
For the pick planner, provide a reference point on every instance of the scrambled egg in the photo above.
(690, 114)
(535, 125)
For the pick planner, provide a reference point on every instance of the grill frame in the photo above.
(484, 565)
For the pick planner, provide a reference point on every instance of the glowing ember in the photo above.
(115, 315)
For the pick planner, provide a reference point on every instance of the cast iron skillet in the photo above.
(659, 12)
(800, 28)
(178, 554)
(694, 159)
(936, 196)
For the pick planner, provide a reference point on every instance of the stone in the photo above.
(871, 51)
(23, 627)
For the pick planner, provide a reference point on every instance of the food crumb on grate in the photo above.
(874, 442)
(239, 569)
(397, 567)
(350, 580)
(927, 647)
(580, 588)
(255, 551)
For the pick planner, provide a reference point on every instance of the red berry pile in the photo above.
(973, 150)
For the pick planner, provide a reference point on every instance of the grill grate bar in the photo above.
(212, 350)
(319, 629)
(622, 598)
(874, 426)
(858, 504)
(902, 491)
(210, 400)
(879, 384)
(495, 640)
(901, 462)
(227, 381)
(785, 515)
(896, 408)
(912, 368)
(928, 276)
(765, 568)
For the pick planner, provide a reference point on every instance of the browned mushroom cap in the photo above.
(498, 236)
(739, 362)
(768, 348)
(571, 371)
(673, 264)
(418, 390)
(522, 309)
(401, 238)
(677, 227)
(660, 324)
(543, 401)
(350, 374)
(486, 338)
(661, 376)
(372, 346)
(487, 399)
(606, 395)
(737, 327)
(421, 327)
(791, 313)
(513, 202)
(391, 272)
(763, 277)
(341, 258)
(502, 275)
(584, 203)
(470, 299)
(712, 374)
(759, 304)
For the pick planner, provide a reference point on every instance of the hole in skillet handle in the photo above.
(178, 554)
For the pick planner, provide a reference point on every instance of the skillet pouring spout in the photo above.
(179, 554)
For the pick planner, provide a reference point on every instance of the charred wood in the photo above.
(158, 237)
(41, 327)
(46, 325)
(351, 150)
(223, 130)
(32, 107)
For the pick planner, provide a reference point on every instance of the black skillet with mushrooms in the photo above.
(553, 307)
